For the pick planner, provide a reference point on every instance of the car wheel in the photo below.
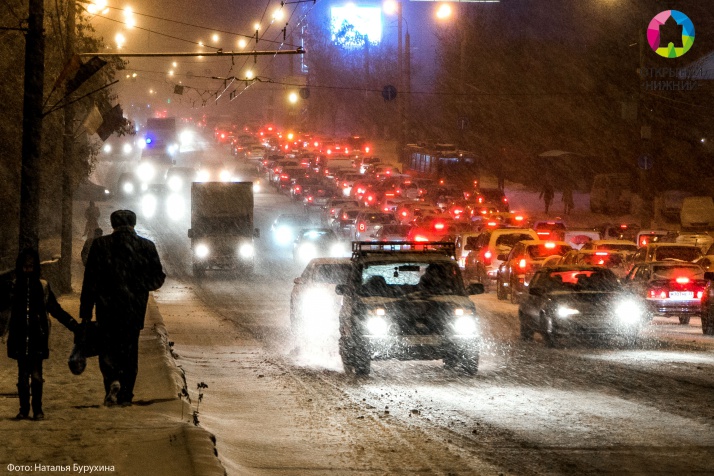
(632, 340)
(466, 363)
(199, 271)
(684, 320)
(354, 358)
(526, 330)
(548, 331)
(514, 294)
(500, 290)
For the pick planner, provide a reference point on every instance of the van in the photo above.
(611, 193)
(697, 213)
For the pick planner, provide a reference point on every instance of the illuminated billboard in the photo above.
(353, 25)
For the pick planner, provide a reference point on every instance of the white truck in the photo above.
(222, 234)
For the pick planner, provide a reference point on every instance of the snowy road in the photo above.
(530, 410)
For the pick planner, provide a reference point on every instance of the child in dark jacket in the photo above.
(29, 327)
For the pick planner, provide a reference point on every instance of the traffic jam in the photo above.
(350, 214)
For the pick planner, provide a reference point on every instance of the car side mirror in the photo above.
(475, 288)
(502, 257)
(256, 233)
(297, 281)
(190, 232)
(535, 291)
(341, 289)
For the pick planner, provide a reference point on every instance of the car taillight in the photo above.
(421, 238)
(643, 242)
(480, 199)
(487, 255)
(284, 177)
(700, 294)
(309, 198)
(543, 233)
(404, 214)
(370, 198)
(550, 245)
(345, 184)
(297, 189)
(361, 226)
(601, 253)
(658, 293)
(522, 263)
(386, 209)
(505, 200)
(332, 211)
(439, 226)
(682, 280)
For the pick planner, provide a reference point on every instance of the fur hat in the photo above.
(122, 218)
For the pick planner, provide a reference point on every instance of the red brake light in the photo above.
(420, 238)
(601, 253)
(518, 218)
(682, 280)
(623, 226)
(505, 200)
(550, 245)
(404, 214)
(439, 226)
(522, 263)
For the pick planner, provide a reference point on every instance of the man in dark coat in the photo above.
(31, 301)
(121, 270)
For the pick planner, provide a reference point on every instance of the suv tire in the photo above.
(501, 293)
(354, 358)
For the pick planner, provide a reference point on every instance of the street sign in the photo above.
(644, 162)
(389, 92)
(463, 123)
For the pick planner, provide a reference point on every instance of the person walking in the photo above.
(88, 243)
(547, 193)
(121, 270)
(567, 199)
(91, 214)
(31, 301)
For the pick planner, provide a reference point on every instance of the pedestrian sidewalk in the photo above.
(156, 436)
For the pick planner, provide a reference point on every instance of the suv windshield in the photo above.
(676, 252)
(398, 279)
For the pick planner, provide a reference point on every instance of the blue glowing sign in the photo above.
(353, 25)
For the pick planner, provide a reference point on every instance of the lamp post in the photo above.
(403, 77)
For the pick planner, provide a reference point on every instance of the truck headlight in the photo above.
(246, 250)
(465, 325)
(145, 172)
(377, 325)
(565, 311)
(201, 251)
(628, 312)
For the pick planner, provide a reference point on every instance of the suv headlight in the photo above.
(145, 172)
(465, 324)
(566, 311)
(377, 325)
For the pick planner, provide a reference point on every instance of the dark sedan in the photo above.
(318, 243)
(579, 301)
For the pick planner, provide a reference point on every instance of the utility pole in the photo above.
(32, 127)
(400, 79)
(65, 274)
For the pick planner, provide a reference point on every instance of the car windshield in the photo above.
(618, 247)
(510, 239)
(683, 253)
(332, 273)
(398, 279)
(546, 249)
(673, 272)
(581, 280)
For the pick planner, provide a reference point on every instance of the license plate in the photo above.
(681, 295)
(423, 340)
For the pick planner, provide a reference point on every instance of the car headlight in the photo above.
(127, 149)
(256, 186)
(246, 250)
(377, 325)
(465, 325)
(628, 311)
(317, 307)
(148, 205)
(224, 175)
(128, 188)
(307, 251)
(175, 206)
(175, 183)
(284, 235)
(566, 311)
(202, 176)
(201, 251)
(338, 250)
(145, 172)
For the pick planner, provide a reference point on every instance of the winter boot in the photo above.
(37, 400)
(23, 391)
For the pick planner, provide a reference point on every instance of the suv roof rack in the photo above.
(364, 248)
